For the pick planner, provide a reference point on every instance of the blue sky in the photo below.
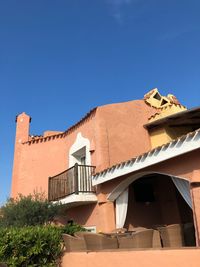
(60, 58)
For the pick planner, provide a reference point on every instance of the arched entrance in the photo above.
(154, 200)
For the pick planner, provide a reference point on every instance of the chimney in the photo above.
(22, 128)
(22, 135)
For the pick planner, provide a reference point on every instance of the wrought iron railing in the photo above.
(74, 180)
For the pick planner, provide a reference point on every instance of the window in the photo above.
(80, 156)
(80, 151)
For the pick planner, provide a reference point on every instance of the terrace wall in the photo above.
(142, 258)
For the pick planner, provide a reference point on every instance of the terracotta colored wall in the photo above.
(111, 130)
(22, 135)
(182, 166)
(100, 215)
(122, 134)
(115, 131)
(35, 162)
(86, 215)
(140, 258)
(38, 162)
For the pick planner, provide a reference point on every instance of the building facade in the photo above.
(132, 164)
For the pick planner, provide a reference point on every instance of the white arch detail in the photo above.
(80, 143)
(124, 184)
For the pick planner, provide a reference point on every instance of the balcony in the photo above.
(73, 186)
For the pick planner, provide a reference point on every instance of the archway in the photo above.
(154, 200)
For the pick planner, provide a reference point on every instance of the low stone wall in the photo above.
(185, 257)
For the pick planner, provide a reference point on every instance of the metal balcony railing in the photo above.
(74, 180)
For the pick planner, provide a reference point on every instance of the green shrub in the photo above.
(72, 228)
(28, 210)
(30, 246)
(33, 245)
(26, 237)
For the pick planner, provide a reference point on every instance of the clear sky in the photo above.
(60, 58)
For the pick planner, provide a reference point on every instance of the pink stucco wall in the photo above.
(35, 162)
(140, 258)
(114, 132)
(120, 134)
(111, 130)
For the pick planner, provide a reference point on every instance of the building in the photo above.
(122, 165)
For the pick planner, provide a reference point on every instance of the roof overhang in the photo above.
(180, 146)
(189, 117)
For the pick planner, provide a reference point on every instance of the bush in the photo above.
(28, 211)
(26, 237)
(33, 245)
(30, 246)
(70, 229)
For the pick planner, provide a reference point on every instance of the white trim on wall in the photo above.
(77, 200)
(81, 145)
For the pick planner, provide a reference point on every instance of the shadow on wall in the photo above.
(79, 214)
